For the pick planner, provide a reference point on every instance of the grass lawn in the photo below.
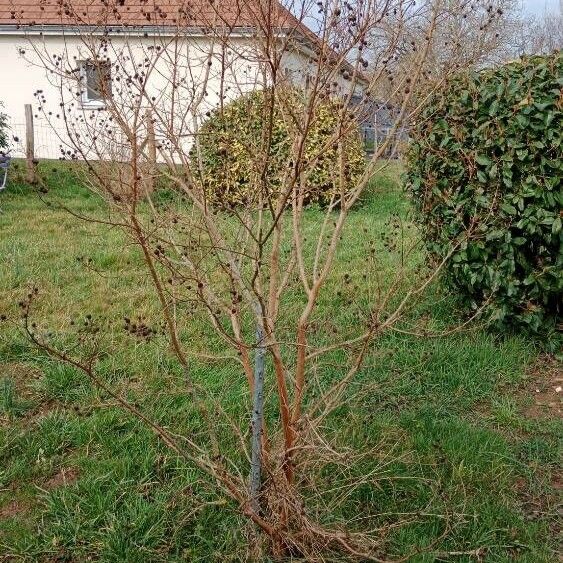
(467, 423)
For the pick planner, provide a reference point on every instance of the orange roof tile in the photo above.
(123, 14)
(134, 13)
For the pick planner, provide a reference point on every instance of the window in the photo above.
(96, 82)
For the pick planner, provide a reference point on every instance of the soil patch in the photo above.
(13, 508)
(545, 388)
(23, 376)
(63, 477)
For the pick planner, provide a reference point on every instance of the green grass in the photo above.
(447, 415)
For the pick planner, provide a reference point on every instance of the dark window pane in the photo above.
(98, 80)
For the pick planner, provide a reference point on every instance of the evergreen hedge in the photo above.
(485, 171)
(3, 129)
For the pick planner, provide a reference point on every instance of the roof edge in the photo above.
(121, 30)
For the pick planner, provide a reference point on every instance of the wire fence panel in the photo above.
(47, 143)
(51, 143)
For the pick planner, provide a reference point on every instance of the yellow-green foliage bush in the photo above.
(231, 145)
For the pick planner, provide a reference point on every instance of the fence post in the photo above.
(151, 152)
(31, 163)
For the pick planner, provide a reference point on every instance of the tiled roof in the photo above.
(123, 14)
(134, 13)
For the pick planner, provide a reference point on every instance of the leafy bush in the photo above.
(485, 170)
(230, 141)
(3, 129)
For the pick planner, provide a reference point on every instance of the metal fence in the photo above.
(49, 142)
(373, 139)
(47, 145)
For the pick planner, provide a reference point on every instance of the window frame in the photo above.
(85, 100)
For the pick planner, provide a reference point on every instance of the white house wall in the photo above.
(24, 62)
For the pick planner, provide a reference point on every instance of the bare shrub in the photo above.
(265, 281)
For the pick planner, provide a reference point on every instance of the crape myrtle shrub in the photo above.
(231, 155)
(486, 159)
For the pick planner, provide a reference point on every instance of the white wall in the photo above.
(31, 63)
(28, 65)
(19, 80)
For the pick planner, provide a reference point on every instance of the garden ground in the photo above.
(473, 416)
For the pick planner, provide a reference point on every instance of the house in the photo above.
(200, 51)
